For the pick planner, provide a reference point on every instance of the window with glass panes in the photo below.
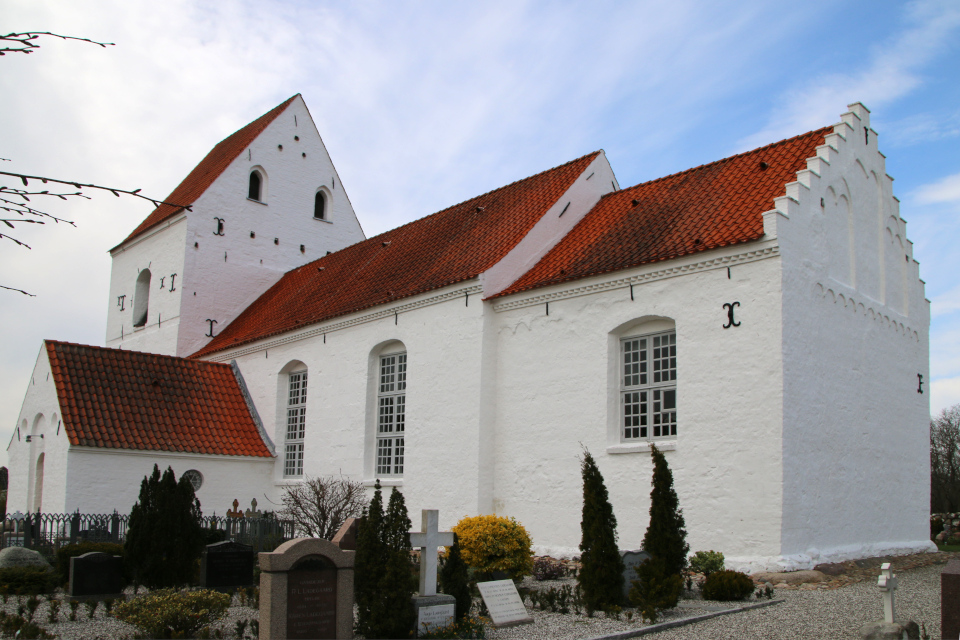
(391, 414)
(296, 424)
(648, 386)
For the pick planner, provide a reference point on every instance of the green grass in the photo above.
(948, 547)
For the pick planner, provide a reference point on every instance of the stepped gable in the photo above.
(209, 169)
(710, 206)
(453, 245)
(115, 399)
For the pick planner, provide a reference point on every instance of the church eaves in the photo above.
(706, 207)
(447, 247)
(209, 169)
(115, 399)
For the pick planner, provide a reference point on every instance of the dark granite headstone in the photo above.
(950, 600)
(630, 561)
(95, 574)
(226, 564)
(312, 599)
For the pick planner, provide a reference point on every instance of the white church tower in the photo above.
(265, 200)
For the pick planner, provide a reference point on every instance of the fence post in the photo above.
(115, 527)
(75, 527)
(26, 530)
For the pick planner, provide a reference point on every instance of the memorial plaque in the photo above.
(312, 599)
(504, 603)
(631, 559)
(435, 617)
(226, 564)
(95, 574)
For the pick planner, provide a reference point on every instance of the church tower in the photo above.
(265, 200)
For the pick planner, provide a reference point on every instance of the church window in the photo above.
(391, 414)
(256, 182)
(296, 424)
(319, 206)
(141, 299)
(648, 386)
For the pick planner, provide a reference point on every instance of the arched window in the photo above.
(391, 414)
(141, 299)
(38, 484)
(296, 421)
(256, 182)
(320, 206)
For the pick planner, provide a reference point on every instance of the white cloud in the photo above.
(946, 189)
(944, 394)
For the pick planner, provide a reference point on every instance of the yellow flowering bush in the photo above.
(173, 614)
(494, 543)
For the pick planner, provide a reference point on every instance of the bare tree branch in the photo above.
(945, 461)
(79, 185)
(20, 290)
(24, 42)
(318, 507)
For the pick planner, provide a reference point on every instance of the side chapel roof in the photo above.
(450, 246)
(707, 207)
(209, 169)
(118, 399)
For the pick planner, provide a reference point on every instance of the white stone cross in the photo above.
(428, 540)
(888, 584)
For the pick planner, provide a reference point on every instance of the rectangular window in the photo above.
(648, 386)
(296, 425)
(391, 414)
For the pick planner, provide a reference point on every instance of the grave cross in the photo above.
(888, 584)
(236, 513)
(428, 540)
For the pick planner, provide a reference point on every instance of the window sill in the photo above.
(257, 201)
(384, 482)
(643, 447)
(323, 220)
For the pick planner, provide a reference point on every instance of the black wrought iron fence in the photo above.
(47, 532)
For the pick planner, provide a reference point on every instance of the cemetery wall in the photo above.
(558, 387)
(39, 415)
(856, 430)
(101, 480)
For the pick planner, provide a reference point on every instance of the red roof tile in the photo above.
(131, 400)
(444, 248)
(209, 169)
(709, 206)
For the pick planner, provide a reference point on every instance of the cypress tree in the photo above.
(601, 570)
(666, 538)
(368, 563)
(455, 580)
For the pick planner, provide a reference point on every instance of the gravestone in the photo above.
(889, 628)
(433, 610)
(306, 591)
(95, 574)
(346, 537)
(226, 564)
(950, 600)
(504, 603)
(630, 561)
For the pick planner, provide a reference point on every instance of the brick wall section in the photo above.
(950, 600)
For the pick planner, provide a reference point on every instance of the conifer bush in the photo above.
(169, 613)
(165, 535)
(601, 567)
(455, 579)
(666, 537)
(706, 562)
(495, 543)
(655, 589)
(727, 585)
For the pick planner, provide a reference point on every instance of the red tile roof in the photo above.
(709, 206)
(131, 400)
(209, 169)
(450, 246)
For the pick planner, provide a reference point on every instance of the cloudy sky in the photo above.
(425, 104)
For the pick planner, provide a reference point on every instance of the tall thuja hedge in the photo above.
(666, 538)
(165, 535)
(455, 579)
(601, 571)
(383, 580)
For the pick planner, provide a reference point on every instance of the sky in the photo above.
(425, 104)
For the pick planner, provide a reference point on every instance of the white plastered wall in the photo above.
(856, 431)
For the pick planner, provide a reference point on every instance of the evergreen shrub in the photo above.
(78, 549)
(169, 613)
(706, 562)
(494, 543)
(601, 566)
(655, 589)
(27, 580)
(666, 537)
(727, 585)
(455, 579)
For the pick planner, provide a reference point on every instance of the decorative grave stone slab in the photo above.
(306, 591)
(630, 561)
(504, 603)
(226, 564)
(95, 574)
(950, 600)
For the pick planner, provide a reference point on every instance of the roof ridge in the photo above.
(133, 352)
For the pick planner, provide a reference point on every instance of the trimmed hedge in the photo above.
(727, 585)
(27, 580)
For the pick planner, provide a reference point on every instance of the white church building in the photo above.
(761, 319)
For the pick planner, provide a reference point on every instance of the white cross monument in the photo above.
(428, 540)
(888, 585)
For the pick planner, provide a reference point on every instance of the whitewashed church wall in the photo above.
(443, 345)
(558, 390)
(39, 416)
(162, 252)
(104, 480)
(856, 441)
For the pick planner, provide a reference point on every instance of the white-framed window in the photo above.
(648, 387)
(296, 424)
(391, 414)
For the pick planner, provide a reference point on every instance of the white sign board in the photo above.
(435, 617)
(504, 603)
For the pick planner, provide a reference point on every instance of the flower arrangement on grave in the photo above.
(495, 543)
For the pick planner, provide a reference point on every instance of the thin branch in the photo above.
(26, 44)
(18, 290)
(80, 185)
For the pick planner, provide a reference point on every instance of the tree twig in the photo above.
(80, 185)
(27, 45)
